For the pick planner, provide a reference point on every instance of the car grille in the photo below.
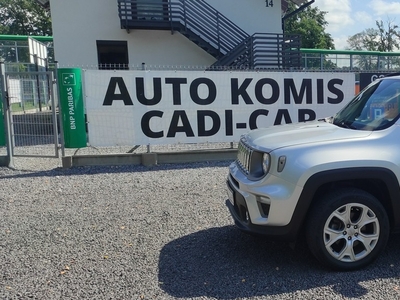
(244, 157)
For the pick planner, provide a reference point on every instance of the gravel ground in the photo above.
(131, 232)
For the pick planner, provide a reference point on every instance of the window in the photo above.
(112, 55)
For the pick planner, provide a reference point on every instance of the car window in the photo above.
(376, 107)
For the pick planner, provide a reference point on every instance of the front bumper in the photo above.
(240, 212)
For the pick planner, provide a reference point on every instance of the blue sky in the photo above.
(348, 17)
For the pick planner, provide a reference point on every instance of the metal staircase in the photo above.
(211, 31)
(264, 50)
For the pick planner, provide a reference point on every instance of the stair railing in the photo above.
(263, 50)
(202, 23)
(194, 16)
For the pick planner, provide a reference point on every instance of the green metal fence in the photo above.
(14, 50)
(349, 60)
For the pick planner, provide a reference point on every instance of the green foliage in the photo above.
(364, 41)
(388, 38)
(376, 39)
(24, 17)
(310, 24)
(21, 17)
(381, 39)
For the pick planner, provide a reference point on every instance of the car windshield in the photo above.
(376, 107)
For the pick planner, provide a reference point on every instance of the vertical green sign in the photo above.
(2, 127)
(72, 108)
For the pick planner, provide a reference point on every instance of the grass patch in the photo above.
(28, 105)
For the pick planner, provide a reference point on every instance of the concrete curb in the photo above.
(149, 159)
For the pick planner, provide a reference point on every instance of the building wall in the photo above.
(78, 24)
(253, 16)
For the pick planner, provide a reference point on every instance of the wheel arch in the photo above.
(380, 182)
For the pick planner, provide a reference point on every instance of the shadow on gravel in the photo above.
(93, 170)
(224, 263)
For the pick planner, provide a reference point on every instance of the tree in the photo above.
(310, 24)
(364, 41)
(21, 17)
(24, 17)
(388, 39)
(381, 39)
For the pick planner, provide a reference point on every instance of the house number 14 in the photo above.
(270, 3)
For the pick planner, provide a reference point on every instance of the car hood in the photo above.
(279, 136)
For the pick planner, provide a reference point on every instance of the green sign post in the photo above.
(72, 108)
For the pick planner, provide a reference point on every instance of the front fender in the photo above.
(317, 180)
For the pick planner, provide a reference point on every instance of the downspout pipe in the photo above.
(301, 8)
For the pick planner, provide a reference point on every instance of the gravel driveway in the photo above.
(164, 232)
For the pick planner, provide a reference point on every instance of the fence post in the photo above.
(379, 63)
(5, 117)
(2, 120)
(59, 117)
(38, 81)
(321, 61)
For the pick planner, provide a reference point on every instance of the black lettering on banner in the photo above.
(334, 90)
(255, 115)
(180, 115)
(145, 123)
(201, 122)
(282, 114)
(240, 91)
(156, 90)
(367, 78)
(111, 95)
(275, 91)
(228, 123)
(194, 91)
(176, 89)
(306, 112)
(290, 89)
(320, 91)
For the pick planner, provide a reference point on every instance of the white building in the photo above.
(124, 33)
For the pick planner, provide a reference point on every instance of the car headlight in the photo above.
(266, 163)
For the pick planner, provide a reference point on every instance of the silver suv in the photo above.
(334, 181)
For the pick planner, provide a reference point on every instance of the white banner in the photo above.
(169, 107)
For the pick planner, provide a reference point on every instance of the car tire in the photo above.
(347, 229)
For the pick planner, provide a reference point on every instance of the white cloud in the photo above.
(339, 14)
(362, 17)
(348, 17)
(385, 8)
(341, 42)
